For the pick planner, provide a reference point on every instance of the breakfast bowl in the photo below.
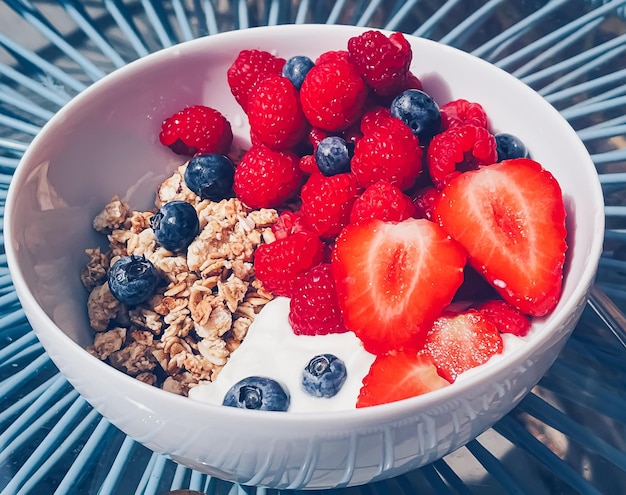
(105, 143)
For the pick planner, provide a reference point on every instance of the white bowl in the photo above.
(104, 142)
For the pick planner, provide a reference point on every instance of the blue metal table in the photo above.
(568, 436)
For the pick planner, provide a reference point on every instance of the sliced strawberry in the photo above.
(398, 376)
(394, 279)
(505, 317)
(458, 342)
(513, 227)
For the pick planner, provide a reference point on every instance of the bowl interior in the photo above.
(105, 143)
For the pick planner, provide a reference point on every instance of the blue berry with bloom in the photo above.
(175, 225)
(132, 279)
(324, 375)
(210, 176)
(509, 146)
(257, 392)
(419, 111)
(333, 155)
(296, 68)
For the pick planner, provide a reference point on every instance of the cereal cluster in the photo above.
(208, 298)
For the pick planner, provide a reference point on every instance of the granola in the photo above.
(208, 297)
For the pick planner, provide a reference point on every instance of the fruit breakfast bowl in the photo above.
(105, 143)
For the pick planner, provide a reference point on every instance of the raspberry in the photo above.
(313, 309)
(250, 67)
(288, 223)
(332, 56)
(316, 136)
(506, 317)
(387, 151)
(373, 117)
(424, 201)
(411, 81)
(308, 164)
(197, 129)
(333, 96)
(383, 201)
(265, 178)
(278, 264)
(457, 150)
(382, 61)
(461, 112)
(275, 115)
(327, 201)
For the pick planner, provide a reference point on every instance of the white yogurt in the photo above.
(271, 349)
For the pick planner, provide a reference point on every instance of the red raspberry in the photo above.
(275, 115)
(506, 317)
(457, 150)
(411, 81)
(315, 136)
(461, 112)
(387, 151)
(265, 178)
(313, 309)
(333, 95)
(197, 129)
(383, 201)
(308, 164)
(327, 201)
(250, 67)
(278, 264)
(332, 56)
(382, 61)
(424, 201)
(373, 118)
(288, 223)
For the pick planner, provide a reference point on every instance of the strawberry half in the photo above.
(398, 376)
(510, 217)
(458, 342)
(394, 279)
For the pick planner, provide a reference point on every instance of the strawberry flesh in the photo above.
(398, 376)
(459, 342)
(510, 217)
(394, 279)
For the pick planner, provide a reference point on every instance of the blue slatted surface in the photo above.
(567, 437)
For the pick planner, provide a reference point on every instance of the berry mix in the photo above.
(405, 221)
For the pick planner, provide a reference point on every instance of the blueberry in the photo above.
(175, 225)
(509, 146)
(133, 279)
(333, 155)
(296, 68)
(324, 375)
(210, 176)
(257, 392)
(419, 111)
